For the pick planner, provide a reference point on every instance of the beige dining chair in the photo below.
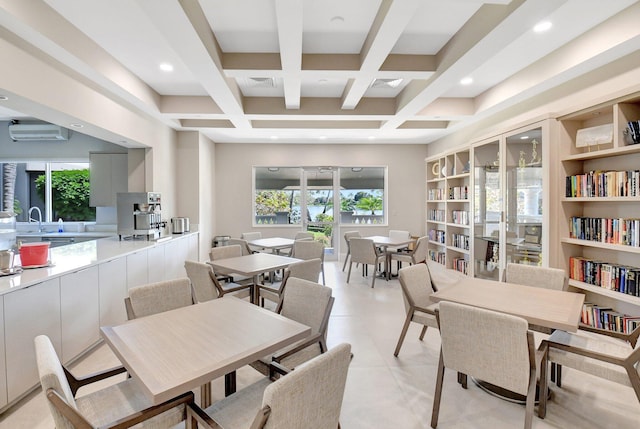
(347, 236)
(306, 270)
(596, 354)
(364, 251)
(244, 245)
(415, 256)
(309, 303)
(493, 347)
(309, 397)
(206, 287)
(308, 249)
(158, 297)
(533, 275)
(121, 404)
(225, 252)
(415, 283)
(250, 236)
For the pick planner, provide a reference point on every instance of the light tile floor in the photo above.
(387, 392)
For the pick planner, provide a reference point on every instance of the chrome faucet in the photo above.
(39, 217)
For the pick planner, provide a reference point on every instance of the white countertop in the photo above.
(72, 257)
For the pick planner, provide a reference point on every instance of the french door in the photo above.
(319, 196)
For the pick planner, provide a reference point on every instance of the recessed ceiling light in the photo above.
(371, 137)
(274, 137)
(166, 67)
(466, 81)
(524, 137)
(3, 98)
(322, 137)
(542, 26)
(76, 125)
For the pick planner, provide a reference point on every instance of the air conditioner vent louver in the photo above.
(37, 132)
(386, 83)
(261, 82)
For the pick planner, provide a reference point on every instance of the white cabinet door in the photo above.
(155, 261)
(193, 251)
(113, 290)
(175, 253)
(108, 176)
(3, 378)
(80, 312)
(137, 269)
(29, 312)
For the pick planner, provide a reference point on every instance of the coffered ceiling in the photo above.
(331, 71)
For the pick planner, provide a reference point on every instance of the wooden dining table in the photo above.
(275, 244)
(176, 351)
(385, 242)
(252, 265)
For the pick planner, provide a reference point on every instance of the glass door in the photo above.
(318, 201)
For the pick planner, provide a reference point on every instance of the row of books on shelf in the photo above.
(458, 193)
(437, 235)
(436, 215)
(606, 230)
(460, 241)
(606, 318)
(461, 264)
(461, 217)
(615, 277)
(440, 257)
(604, 184)
(436, 194)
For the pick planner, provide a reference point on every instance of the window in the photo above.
(60, 190)
(277, 195)
(362, 195)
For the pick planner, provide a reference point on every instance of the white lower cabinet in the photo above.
(3, 377)
(193, 252)
(137, 269)
(155, 264)
(29, 312)
(175, 253)
(80, 312)
(112, 280)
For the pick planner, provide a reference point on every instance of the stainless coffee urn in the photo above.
(140, 214)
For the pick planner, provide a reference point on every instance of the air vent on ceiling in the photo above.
(260, 82)
(37, 132)
(386, 83)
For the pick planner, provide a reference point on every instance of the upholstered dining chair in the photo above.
(494, 347)
(309, 397)
(596, 354)
(224, 252)
(308, 249)
(205, 286)
(244, 245)
(347, 236)
(250, 236)
(158, 297)
(415, 283)
(306, 270)
(122, 404)
(415, 256)
(533, 275)
(303, 235)
(364, 251)
(309, 303)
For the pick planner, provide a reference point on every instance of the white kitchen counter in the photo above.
(69, 258)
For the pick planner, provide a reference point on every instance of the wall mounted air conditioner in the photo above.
(36, 132)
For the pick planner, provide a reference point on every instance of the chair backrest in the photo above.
(303, 235)
(350, 234)
(415, 282)
(363, 250)
(308, 303)
(52, 377)
(532, 275)
(395, 234)
(250, 236)
(491, 346)
(224, 252)
(158, 297)
(202, 281)
(307, 249)
(306, 270)
(311, 396)
(244, 246)
(421, 250)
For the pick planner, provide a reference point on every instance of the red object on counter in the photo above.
(34, 253)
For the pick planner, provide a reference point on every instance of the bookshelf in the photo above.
(448, 209)
(600, 203)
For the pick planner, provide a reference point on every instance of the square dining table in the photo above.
(252, 265)
(276, 244)
(176, 351)
(384, 242)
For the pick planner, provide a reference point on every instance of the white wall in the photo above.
(234, 162)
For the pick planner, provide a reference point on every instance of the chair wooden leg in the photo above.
(553, 372)
(558, 375)
(349, 274)
(373, 277)
(462, 380)
(438, 393)
(542, 404)
(424, 331)
(531, 399)
(405, 328)
(346, 258)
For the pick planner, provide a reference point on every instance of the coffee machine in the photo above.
(139, 215)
